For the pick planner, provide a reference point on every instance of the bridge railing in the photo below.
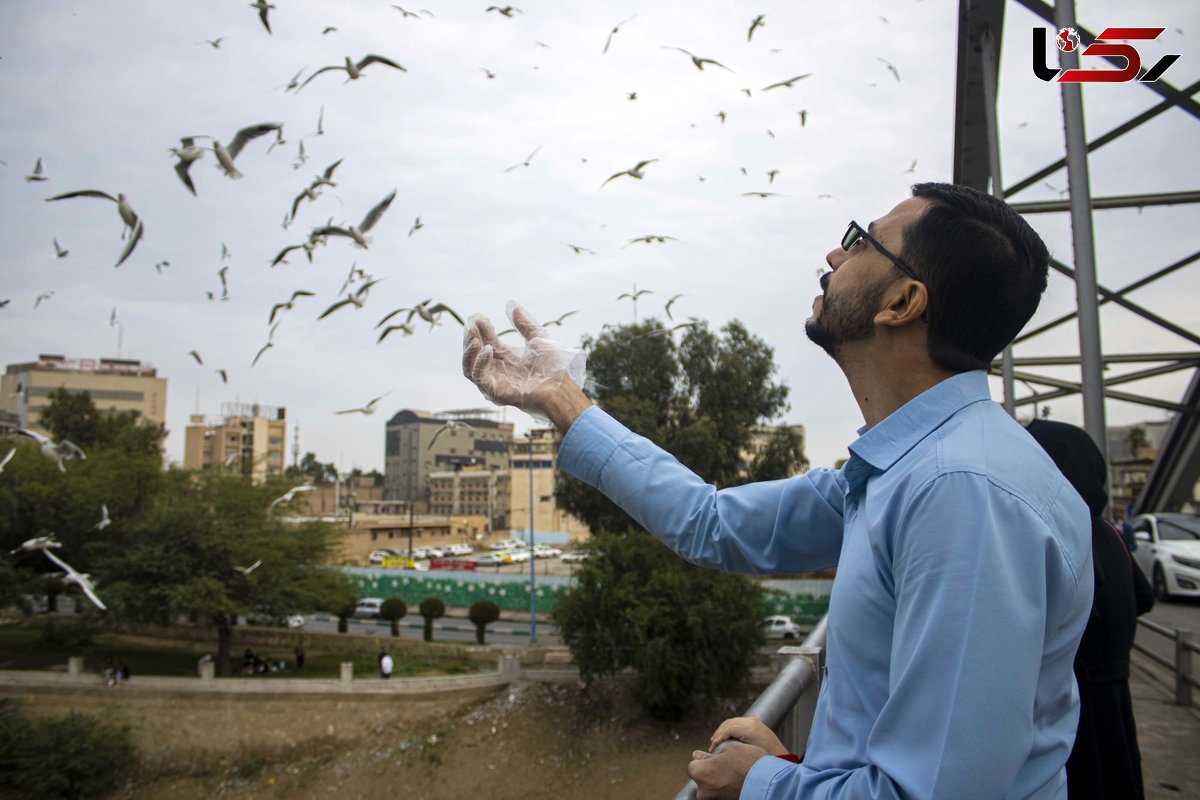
(1181, 666)
(787, 705)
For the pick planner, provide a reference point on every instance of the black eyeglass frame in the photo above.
(854, 231)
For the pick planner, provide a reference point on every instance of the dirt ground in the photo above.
(531, 741)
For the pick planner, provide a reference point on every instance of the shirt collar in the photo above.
(878, 448)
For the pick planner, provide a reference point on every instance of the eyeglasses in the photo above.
(855, 232)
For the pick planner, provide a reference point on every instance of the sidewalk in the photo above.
(1168, 735)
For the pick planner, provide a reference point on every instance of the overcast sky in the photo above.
(100, 90)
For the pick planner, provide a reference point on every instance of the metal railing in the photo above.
(1181, 667)
(787, 705)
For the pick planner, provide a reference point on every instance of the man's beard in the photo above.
(843, 319)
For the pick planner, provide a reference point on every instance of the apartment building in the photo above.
(114, 384)
(421, 443)
(534, 460)
(246, 437)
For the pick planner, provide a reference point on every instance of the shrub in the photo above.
(76, 756)
(344, 612)
(393, 609)
(482, 613)
(431, 608)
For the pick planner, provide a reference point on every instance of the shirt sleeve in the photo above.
(986, 607)
(784, 526)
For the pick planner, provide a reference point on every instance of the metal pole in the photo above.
(532, 564)
(1080, 196)
(990, 58)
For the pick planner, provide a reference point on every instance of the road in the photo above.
(1182, 613)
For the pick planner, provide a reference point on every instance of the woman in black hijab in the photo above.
(1105, 762)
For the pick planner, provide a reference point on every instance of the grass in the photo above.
(30, 648)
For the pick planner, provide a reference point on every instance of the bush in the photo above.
(76, 756)
(345, 610)
(67, 635)
(393, 609)
(431, 608)
(482, 613)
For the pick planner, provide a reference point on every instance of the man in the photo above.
(964, 575)
(386, 664)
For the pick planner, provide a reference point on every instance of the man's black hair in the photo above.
(985, 269)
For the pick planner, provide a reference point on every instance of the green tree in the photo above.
(431, 608)
(344, 608)
(482, 613)
(195, 550)
(310, 467)
(393, 609)
(684, 630)
(73, 415)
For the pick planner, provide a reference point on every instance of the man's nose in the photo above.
(835, 257)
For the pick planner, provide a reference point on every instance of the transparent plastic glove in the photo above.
(525, 377)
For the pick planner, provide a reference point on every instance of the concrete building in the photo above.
(418, 444)
(537, 461)
(114, 384)
(247, 437)
(1132, 451)
(473, 491)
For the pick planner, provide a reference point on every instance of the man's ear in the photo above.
(906, 302)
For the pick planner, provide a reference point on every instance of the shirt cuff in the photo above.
(589, 444)
(762, 776)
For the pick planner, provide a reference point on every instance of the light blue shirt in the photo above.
(963, 586)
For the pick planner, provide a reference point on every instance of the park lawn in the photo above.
(30, 648)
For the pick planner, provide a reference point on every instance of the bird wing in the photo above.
(350, 411)
(391, 328)
(443, 307)
(283, 254)
(379, 324)
(7, 458)
(68, 449)
(371, 58)
(264, 349)
(615, 175)
(329, 170)
(329, 230)
(309, 79)
(196, 356)
(224, 376)
(701, 61)
(641, 164)
(334, 308)
(377, 399)
(262, 14)
(275, 310)
(135, 236)
(37, 437)
(82, 193)
(300, 293)
(375, 213)
(181, 169)
(251, 132)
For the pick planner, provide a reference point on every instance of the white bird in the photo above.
(38, 173)
(263, 7)
(78, 579)
(671, 302)
(36, 543)
(288, 496)
(62, 450)
(408, 331)
(452, 425)
(431, 313)
(43, 296)
(189, 152)
(368, 409)
(326, 178)
(891, 67)
(359, 233)
(249, 569)
(227, 153)
(525, 163)
(289, 304)
(128, 216)
(262, 350)
(105, 520)
(7, 458)
(58, 251)
(635, 172)
(354, 70)
(616, 29)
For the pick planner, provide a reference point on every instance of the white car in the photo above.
(507, 544)
(779, 626)
(435, 552)
(518, 555)
(369, 607)
(377, 556)
(460, 550)
(546, 551)
(576, 556)
(1168, 551)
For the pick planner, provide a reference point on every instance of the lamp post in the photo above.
(532, 564)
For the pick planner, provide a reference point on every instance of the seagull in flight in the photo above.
(215, 44)
(559, 321)
(525, 163)
(263, 7)
(451, 425)
(786, 84)
(635, 295)
(7, 458)
(634, 172)
(354, 70)
(58, 251)
(288, 305)
(188, 153)
(43, 296)
(76, 578)
(408, 331)
(616, 29)
(367, 410)
(891, 67)
(763, 195)
(651, 238)
(358, 234)
(671, 302)
(757, 22)
(38, 173)
(249, 569)
(224, 376)
(128, 216)
(416, 226)
(579, 250)
(288, 496)
(105, 520)
(697, 60)
(432, 313)
(42, 543)
(506, 11)
(57, 451)
(227, 153)
(357, 299)
(326, 177)
(259, 354)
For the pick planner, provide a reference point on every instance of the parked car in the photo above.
(520, 555)
(490, 560)
(435, 552)
(460, 550)
(377, 556)
(507, 544)
(369, 607)
(1168, 551)
(576, 556)
(546, 551)
(290, 620)
(781, 627)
